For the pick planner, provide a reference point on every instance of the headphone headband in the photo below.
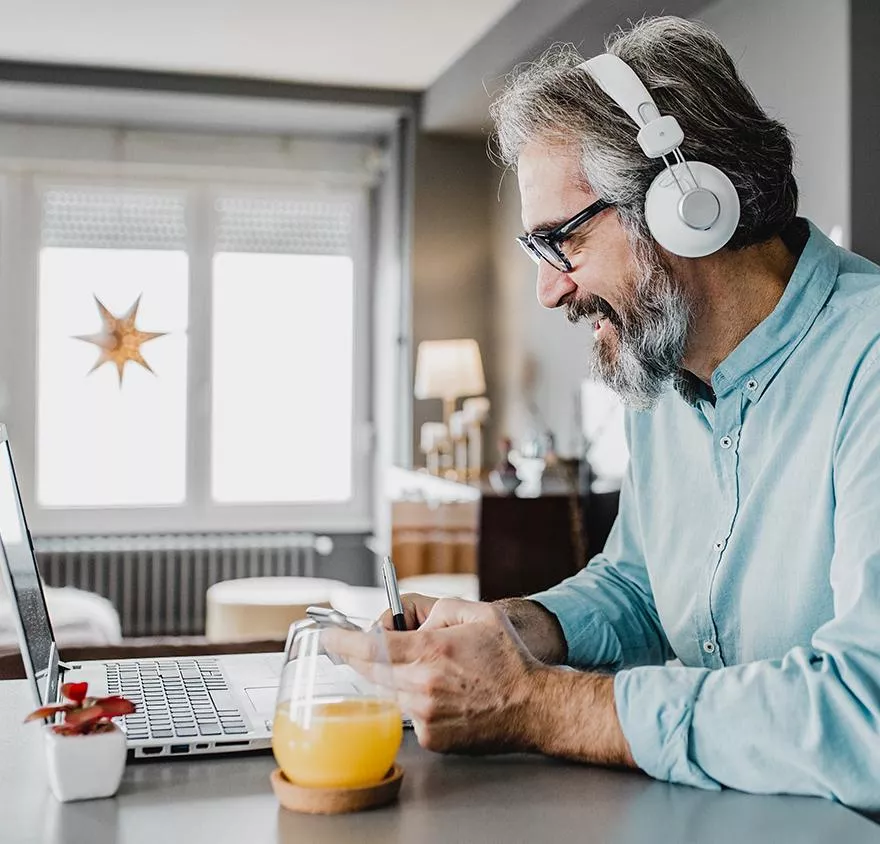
(617, 79)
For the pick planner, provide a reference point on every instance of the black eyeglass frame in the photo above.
(544, 245)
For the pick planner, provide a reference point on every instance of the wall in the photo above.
(541, 358)
(452, 261)
(865, 127)
(776, 44)
(795, 55)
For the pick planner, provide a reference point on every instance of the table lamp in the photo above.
(447, 370)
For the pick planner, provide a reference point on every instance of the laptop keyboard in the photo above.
(175, 698)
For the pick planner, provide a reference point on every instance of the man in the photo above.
(748, 540)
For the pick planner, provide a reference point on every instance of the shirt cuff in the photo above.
(590, 638)
(655, 706)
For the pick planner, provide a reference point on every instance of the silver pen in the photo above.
(389, 576)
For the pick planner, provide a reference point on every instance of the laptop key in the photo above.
(235, 731)
(210, 729)
(223, 702)
(162, 733)
(186, 732)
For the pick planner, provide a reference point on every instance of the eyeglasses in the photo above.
(546, 245)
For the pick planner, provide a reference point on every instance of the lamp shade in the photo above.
(448, 369)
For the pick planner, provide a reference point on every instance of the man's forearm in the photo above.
(538, 628)
(572, 715)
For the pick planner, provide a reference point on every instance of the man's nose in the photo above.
(552, 285)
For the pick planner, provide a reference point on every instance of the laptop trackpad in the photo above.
(262, 699)
(330, 681)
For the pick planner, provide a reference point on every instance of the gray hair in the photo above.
(691, 76)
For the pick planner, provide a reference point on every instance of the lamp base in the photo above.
(448, 410)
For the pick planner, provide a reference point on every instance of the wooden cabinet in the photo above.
(527, 544)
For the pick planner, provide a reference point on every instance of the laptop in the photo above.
(185, 705)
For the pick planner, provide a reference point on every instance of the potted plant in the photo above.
(86, 751)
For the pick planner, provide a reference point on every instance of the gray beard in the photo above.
(642, 352)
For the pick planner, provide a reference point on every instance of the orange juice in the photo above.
(337, 742)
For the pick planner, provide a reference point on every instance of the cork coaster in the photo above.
(336, 801)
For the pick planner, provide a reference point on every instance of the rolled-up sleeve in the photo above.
(806, 723)
(607, 611)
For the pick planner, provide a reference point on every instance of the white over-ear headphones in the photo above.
(691, 208)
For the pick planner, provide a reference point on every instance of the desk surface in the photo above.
(444, 799)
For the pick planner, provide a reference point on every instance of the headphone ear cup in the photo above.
(664, 216)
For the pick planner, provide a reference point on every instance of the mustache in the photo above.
(588, 306)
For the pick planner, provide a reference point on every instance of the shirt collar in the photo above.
(752, 365)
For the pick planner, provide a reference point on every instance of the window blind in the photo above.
(287, 225)
(110, 218)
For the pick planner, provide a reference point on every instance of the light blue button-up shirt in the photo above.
(748, 546)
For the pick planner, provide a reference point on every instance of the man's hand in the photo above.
(463, 676)
(537, 627)
(470, 685)
(416, 609)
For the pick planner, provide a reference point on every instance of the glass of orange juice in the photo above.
(334, 727)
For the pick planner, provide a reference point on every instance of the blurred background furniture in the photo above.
(78, 617)
(262, 607)
(434, 524)
(506, 545)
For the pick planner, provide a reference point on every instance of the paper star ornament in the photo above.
(120, 340)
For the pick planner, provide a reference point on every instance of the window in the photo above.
(283, 324)
(282, 374)
(249, 406)
(102, 441)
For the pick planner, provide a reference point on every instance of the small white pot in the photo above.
(85, 767)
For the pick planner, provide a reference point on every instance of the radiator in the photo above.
(158, 583)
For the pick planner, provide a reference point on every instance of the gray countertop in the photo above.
(444, 799)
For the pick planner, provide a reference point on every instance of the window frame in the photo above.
(20, 239)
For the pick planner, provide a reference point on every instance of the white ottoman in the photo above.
(262, 607)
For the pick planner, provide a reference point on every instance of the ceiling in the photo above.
(402, 44)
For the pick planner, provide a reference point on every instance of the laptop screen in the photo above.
(23, 581)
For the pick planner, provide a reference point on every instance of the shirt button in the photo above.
(725, 442)
(752, 384)
(719, 544)
(709, 646)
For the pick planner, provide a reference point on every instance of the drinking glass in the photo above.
(335, 727)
